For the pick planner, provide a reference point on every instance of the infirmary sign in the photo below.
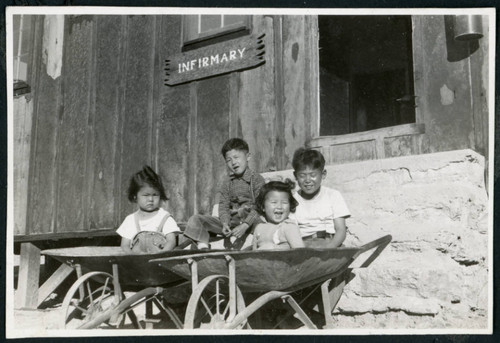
(236, 54)
(208, 61)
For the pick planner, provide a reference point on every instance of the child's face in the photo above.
(237, 161)
(310, 179)
(148, 199)
(276, 206)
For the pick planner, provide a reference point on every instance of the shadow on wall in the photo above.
(457, 50)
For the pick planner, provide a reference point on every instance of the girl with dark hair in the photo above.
(275, 202)
(151, 228)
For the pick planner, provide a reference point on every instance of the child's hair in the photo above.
(303, 158)
(234, 144)
(146, 176)
(279, 186)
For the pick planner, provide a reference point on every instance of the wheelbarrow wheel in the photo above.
(209, 306)
(90, 300)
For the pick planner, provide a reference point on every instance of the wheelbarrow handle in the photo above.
(379, 244)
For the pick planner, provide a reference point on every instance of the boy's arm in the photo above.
(292, 235)
(340, 232)
(224, 214)
(253, 215)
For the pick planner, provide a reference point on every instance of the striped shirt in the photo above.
(237, 191)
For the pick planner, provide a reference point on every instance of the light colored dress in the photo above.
(128, 229)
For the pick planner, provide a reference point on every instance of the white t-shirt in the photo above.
(318, 213)
(128, 228)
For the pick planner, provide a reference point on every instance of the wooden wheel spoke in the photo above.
(225, 310)
(104, 288)
(212, 291)
(76, 304)
(207, 308)
(83, 310)
(91, 299)
(217, 295)
(94, 309)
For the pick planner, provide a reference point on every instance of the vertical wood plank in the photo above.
(118, 192)
(279, 84)
(477, 63)
(234, 105)
(23, 112)
(212, 127)
(257, 122)
(173, 131)
(73, 125)
(157, 83)
(445, 95)
(138, 111)
(296, 122)
(90, 132)
(103, 165)
(29, 272)
(311, 89)
(47, 108)
(173, 150)
(192, 194)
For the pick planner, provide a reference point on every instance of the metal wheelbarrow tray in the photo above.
(219, 280)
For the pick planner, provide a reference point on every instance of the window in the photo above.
(366, 73)
(23, 36)
(202, 30)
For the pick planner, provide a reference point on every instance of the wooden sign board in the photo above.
(236, 54)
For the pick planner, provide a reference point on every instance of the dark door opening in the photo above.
(366, 73)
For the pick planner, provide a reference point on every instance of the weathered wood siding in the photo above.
(93, 125)
(47, 110)
(104, 176)
(173, 130)
(109, 113)
(22, 145)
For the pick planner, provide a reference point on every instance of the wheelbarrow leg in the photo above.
(331, 298)
(134, 320)
(166, 309)
(232, 287)
(302, 316)
(149, 315)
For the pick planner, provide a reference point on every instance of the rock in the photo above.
(351, 304)
(434, 272)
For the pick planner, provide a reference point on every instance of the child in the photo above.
(237, 214)
(146, 190)
(322, 211)
(275, 202)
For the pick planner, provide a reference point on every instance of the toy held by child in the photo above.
(237, 214)
(275, 202)
(322, 211)
(150, 229)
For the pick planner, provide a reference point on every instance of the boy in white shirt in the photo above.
(322, 211)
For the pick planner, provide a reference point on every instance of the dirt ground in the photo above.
(49, 320)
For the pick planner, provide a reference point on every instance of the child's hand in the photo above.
(240, 230)
(226, 230)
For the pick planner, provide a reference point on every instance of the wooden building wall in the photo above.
(108, 113)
